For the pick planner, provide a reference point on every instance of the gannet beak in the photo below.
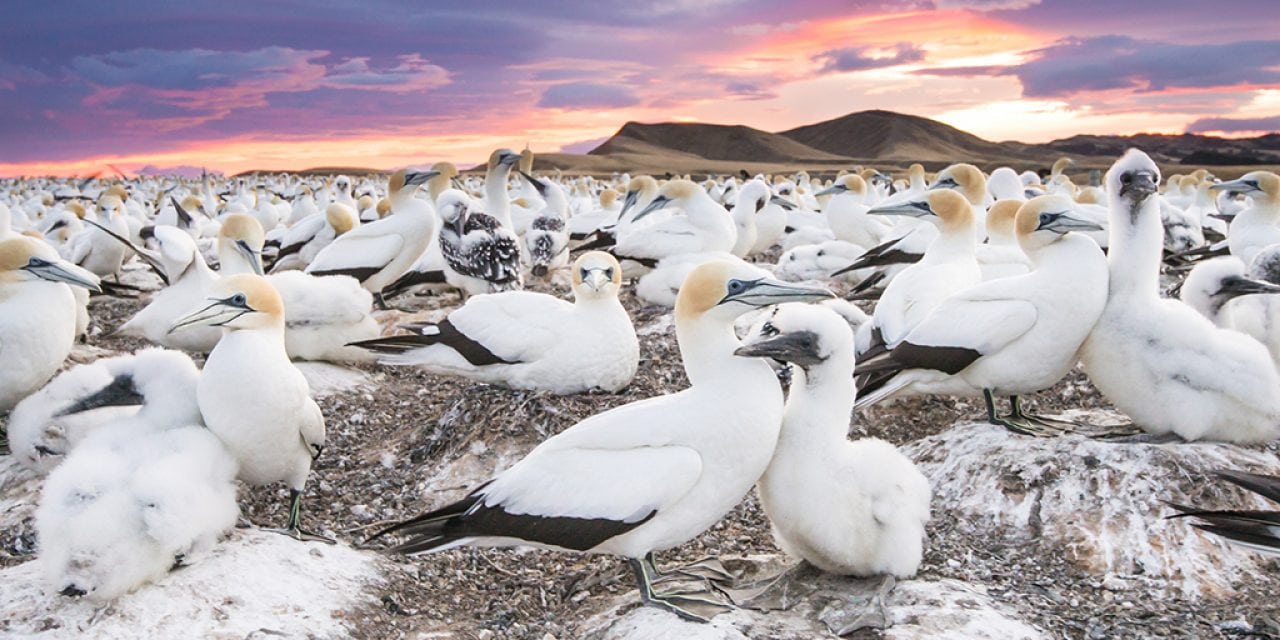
(833, 189)
(800, 348)
(782, 202)
(508, 159)
(914, 209)
(946, 183)
(219, 313)
(255, 260)
(1225, 217)
(1064, 221)
(60, 271)
(1238, 186)
(537, 184)
(767, 291)
(658, 203)
(1142, 185)
(120, 393)
(414, 178)
(596, 279)
(1234, 286)
(628, 202)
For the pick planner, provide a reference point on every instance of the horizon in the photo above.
(384, 85)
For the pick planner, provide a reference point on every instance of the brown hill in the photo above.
(888, 136)
(711, 142)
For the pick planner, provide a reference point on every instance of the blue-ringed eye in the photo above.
(736, 285)
(239, 299)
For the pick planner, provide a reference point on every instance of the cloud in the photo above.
(1103, 63)
(863, 58)
(985, 5)
(411, 74)
(182, 170)
(748, 90)
(1235, 125)
(587, 95)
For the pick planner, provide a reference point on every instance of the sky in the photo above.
(238, 84)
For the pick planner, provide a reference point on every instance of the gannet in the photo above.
(251, 396)
(704, 226)
(159, 384)
(850, 508)
(93, 249)
(818, 261)
(429, 268)
(1257, 316)
(1010, 336)
(771, 223)
(969, 182)
(37, 315)
(303, 241)
(846, 213)
(750, 200)
(1215, 282)
(240, 242)
(127, 507)
(649, 475)
(481, 255)
(529, 340)
(948, 265)
(1161, 363)
(189, 280)
(546, 241)
(1255, 529)
(1000, 256)
(1256, 226)
(378, 253)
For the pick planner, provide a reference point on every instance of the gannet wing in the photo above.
(312, 429)
(358, 256)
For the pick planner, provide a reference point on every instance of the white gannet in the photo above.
(96, 251)
(189, 279)
(846, 213)
(379, 252)
(649, 475)
(969, 182)
(1010, 336)
(1215, 282)
(528, 340)
(1000, 256)
(850, 508)
(252, 397)
(751, 199)
(704, 227)
(948, 265)
(1256, 226)
(51, 422)
(1161, 363)
(304, 241)
(546, 241)
(481, 255)
(126, 508)
(771, 223)
(428, 271)
(37, 315)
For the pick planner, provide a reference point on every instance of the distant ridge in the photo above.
(711, 141)
(889, 136)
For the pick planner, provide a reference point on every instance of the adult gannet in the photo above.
(1255, 529)
(303, 241)
(251, 396)
(948, 265)
(1215, 282)
(1161, 363)
(851, 508)
(1010, 336)
(51, 422)
(704, 227)
(1000, 256)
(649, 475)
(846, 213)
(481, 255)
(189, 279)
(378, 253)
(93, 249)
(528, 340)
(969, 182)
(37, 315)
(1257, 226)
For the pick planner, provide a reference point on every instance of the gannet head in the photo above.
(965, 178)
(607, 198)
(453, 207)
(1043, 220)
(342, 184)
(801, 334)
(1000, 218)
(341, 217)
(1132, 179)
(916, 170)
(77, 209)
(241, 301)
(526, 160)
(176, 248)
(110, 205)
(753, 195)
(1060, 165)
(677, 191)
(945, 208)
(1254, 184)
(502, 158)
(408, 181)
(1215, 282)
(596, 274)
(242, 233)
(848, 183)
(725, 290)
(645, 187)
(23, 259)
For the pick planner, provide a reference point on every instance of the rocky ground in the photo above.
(1018, 546)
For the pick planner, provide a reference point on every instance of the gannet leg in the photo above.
(706, 569)
(4, 442)
(1015, 423)
(1061, 426)
(293, 527)
(673, 602)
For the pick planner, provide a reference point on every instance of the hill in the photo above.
(888, 136)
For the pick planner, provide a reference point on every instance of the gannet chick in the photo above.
(1255, 529)
(37, 315)
(126, 508)
(154, 388)
(304, 241)
(378, 253)
(1256, 226)
(850, 508)
(528, 340)
(481, 255)
(649, 475)
(1010, 336)
(1161, 363)
(819, 261)
(1215, 282)
(251, 395)
(546, 241)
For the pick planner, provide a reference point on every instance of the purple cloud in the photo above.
(587, 95)
(1232, 125)
(748, 90)
(863, 58)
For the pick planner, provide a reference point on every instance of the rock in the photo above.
(1101, 505)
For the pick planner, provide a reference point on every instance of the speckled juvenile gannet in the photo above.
(481, 254)
(851, 508)
(1161, 363)
(649, 475)
(251, 395)
(530, 340)
(378, 253)
(37, 315)
(1010, 336)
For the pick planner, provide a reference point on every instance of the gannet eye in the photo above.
(736, 286)
(1125, 178)
(1044, 217)
(608, 273)
(769, 330)
(239, 300)
(585, 273)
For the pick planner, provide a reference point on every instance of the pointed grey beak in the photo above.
(1142, 184)
(1064, 221)
(120, 393)
(945, 183)
(782, 202)
(913, 209)
(254, 258)
(799, 348)
(627, 202)
(1235, 286)
(536, 183)
(415, 178)
(508, 159)
(1238, 186)
(833, 189)
(658, 203)
(767, 291)
(61, 271)
(216, 314)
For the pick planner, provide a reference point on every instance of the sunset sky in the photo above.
(235, 85)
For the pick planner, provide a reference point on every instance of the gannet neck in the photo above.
(706, 345)
(1136, 244)
(825, 399)
(955, 242)
(495, 193)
